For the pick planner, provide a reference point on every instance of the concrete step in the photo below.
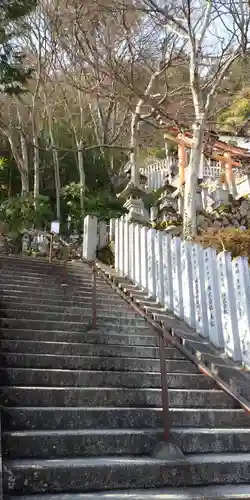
(60, 378)
(55, 282)
(66, 323)
(218, 492)
(29, 476)
(74, 306)
(80, 443)
(216, 440)
(86, 349)
(56, 287)
(97, 337)
(70, 315)
(63, 298)
(27, 418)
(16, 277)
(40, 264)
(58, 291)
(24, 360)
(42, 267)
(110, 396)
(106, 442)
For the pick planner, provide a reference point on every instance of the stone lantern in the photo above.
(167, 205)
(134, 204)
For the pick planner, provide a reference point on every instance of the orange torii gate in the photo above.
(222, 152)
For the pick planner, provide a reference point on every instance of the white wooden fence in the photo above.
(156, 173)
(210, 292)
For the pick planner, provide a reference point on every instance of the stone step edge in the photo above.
(121, 409)
(129, 431)
(128, 390)
(192, 459)
(220, 492)
(85, 432)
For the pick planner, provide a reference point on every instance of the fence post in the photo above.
(132, 251)
(126, 248)
(117, 244)
(228, 307)
(159, 267)
(167, 272)
(144, 258)
(151, 263)
(212, 297)
(199, 291)
(241, 290)
(90, 238)
(102, 240)
(112, 230)
(137, 250)
(177, 278)
(187, 284)
(121, 247)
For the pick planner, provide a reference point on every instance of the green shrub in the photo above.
(102, 205)
(20, 213)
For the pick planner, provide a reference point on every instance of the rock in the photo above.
(225, 221)
(234, 222)
(245, 204)
(243, 211)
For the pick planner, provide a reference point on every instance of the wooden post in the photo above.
(229, 173)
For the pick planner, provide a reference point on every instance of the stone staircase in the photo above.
(81, 409)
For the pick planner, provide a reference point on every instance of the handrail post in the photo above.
(50, 247)
(164, 388)
(65, 264)
(93, 295)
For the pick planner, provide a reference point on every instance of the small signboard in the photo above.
(55, 227)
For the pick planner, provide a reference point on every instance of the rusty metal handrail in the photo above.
(164, 388)
(169, 337)
(94, 305)
(162, 346)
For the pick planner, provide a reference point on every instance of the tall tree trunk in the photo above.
(189, 216)
(21, 160)
(81, 174)
(57, 182)
(25, 166)
(36, 169)
(135, 176)
(24, 181)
